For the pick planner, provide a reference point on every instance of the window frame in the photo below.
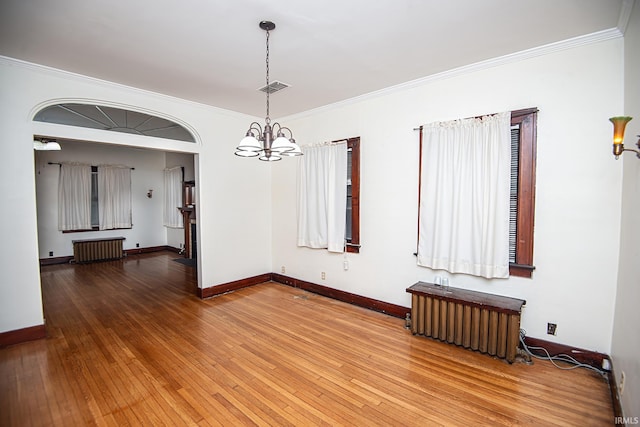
(353, 144)
(526, 119)
(94, 199)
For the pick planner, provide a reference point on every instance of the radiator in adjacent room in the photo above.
(92, 250)
(475, 320)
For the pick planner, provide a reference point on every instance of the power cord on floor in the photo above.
(560, 357)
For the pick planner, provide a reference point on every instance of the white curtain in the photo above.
(322, 197)
(172, 197)
(74, 197)
(114, 197)
(464, 198)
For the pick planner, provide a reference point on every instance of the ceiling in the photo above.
(213, 52)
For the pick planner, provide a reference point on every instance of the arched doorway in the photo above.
(118, 123)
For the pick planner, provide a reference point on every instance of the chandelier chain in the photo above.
(267, 119)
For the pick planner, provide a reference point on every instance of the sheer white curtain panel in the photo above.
(322, 197)
(464, 201)
(74, 197)
(114, 196)
(172, 197)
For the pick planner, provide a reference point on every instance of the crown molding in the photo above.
(625, 15)
(9, 61)
(547, 49)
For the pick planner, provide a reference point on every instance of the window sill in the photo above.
(93, 229)
(521, 270)
(353, 248)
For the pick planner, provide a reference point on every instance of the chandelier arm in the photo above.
(283, 128)
(256, 126)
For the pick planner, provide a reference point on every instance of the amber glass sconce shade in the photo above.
(619, 123)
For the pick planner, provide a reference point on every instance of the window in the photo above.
(352, 233)
(464, 196)
(100, 201)
(95, 223)
(328, 213)
(523, 172)
(176, 195)
(113, 119)
(522, 194)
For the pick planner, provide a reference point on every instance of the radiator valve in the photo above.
(407, 321)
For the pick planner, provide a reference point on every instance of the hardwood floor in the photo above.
(130, 344)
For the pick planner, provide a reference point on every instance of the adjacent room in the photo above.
(274, 213)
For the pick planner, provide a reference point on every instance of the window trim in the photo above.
(527, 120)
(353, 245)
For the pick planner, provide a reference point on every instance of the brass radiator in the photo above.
(92, 250)
(475, 320)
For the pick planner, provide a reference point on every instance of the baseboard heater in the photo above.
(475, 320)
(92, 250)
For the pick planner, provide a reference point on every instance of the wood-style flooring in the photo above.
(129, 343)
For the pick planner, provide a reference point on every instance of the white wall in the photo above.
(577, 199)
(147, 229)
(233, 196)
(625, 349)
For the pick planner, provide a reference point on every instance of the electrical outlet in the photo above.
(621, 385)
(323, 275)
(551, 328)
(282, 269)
(50, 253)
(137, 245)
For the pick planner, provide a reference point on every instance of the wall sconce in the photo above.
(150, 194)
(619, 124)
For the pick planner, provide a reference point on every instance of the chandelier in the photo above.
(260, 141)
